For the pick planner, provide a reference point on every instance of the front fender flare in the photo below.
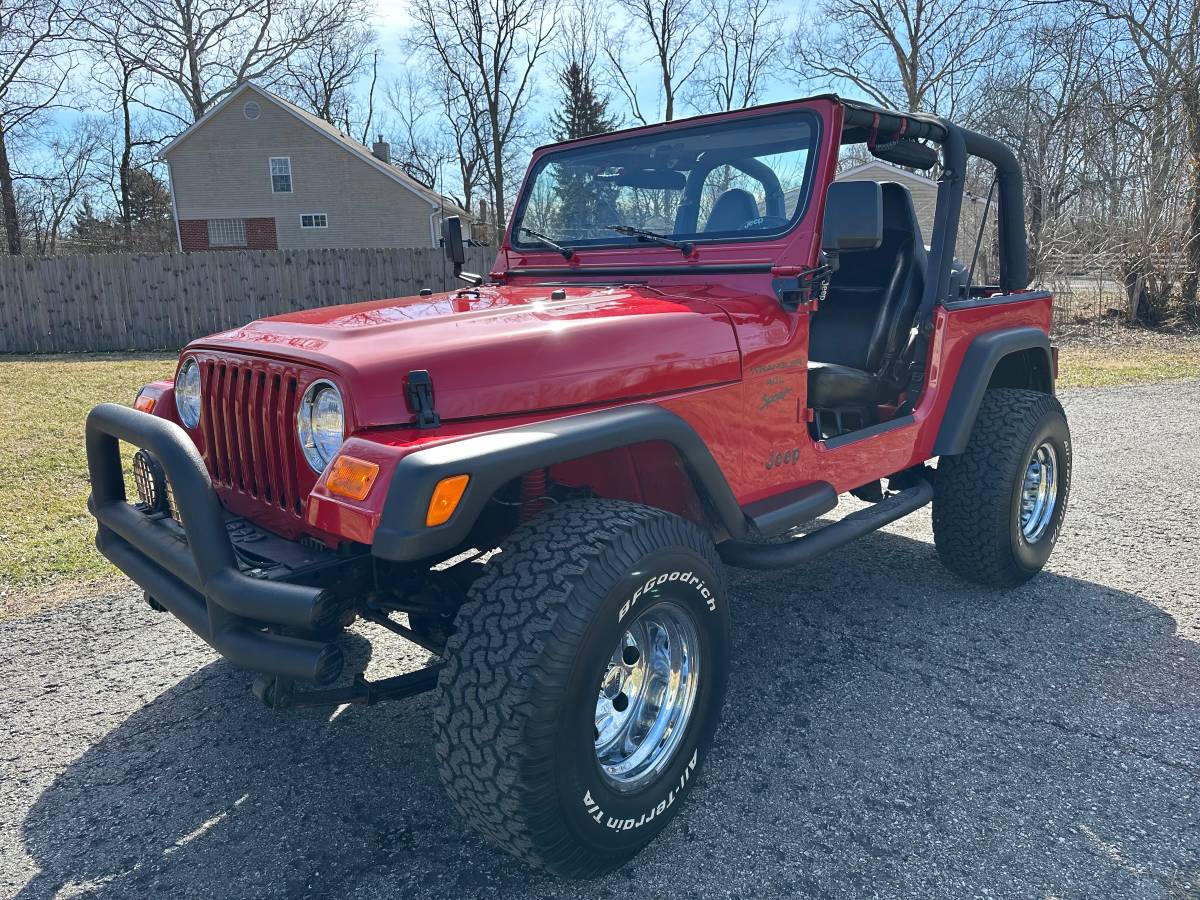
(495, 458)
(979, 362)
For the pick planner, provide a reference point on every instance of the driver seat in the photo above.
(733, 209)
(858, 336)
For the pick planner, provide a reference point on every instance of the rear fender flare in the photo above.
(983, 356)
(496, 458)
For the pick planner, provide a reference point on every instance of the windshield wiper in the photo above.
(684, 247)
(566, 252)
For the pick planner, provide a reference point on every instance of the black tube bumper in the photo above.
(199, 580)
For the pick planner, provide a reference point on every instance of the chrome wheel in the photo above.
(646, 696)
(1039, 493)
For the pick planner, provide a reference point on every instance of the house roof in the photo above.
(433, 198)
(892, 172)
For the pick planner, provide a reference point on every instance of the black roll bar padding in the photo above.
(687, 216)
(945, 222)
(774, 200)
(212, 568)
(1014, 258)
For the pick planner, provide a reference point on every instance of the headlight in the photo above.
(320, 424)
(187, 392)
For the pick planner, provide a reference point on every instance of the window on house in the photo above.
(281, 175)
(316, 220)
(227, 232)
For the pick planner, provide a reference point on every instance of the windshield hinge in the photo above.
(419, 391)
(802, 287)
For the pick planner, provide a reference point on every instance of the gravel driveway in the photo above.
(889, 732)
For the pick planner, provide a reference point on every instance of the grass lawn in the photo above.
(46, 552)
(1088, 366)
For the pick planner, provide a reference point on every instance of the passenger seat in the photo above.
(861, 329)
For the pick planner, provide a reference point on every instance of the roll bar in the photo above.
(861, 119)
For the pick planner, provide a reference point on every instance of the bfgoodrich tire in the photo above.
(549, 740)
(998, 507)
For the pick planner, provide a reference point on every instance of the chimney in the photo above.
(483, 211)
(381, 149)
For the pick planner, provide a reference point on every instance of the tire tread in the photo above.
(971, 505)
(510, 658)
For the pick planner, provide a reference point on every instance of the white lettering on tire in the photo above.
(687, 578)
(596, 813)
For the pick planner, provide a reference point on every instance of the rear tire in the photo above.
(523, 737)
(998, 507)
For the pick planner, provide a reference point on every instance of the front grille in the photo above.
(249, 431)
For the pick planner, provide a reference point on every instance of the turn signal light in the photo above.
(145, 403)
(445, 499)
(350, 477)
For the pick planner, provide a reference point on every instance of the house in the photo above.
(257, 172)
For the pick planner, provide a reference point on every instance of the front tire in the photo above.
(583, 684)
(998, 507)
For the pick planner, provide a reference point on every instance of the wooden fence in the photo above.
(113, 302)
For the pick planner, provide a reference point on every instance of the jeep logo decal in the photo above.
(783, 458)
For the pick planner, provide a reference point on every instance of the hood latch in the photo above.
(419, 392)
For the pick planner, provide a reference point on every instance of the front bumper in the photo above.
(199, 579)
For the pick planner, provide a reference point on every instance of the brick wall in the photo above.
(260, 235)
(193, 234)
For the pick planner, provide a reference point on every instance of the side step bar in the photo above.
(785, 555)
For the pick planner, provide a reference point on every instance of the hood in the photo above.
(502, 350)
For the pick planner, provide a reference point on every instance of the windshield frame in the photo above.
(551, 153)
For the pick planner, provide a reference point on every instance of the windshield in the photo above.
(744, 179)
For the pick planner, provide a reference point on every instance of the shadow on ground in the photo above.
(888, 730)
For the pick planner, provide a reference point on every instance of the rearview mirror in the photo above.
(853, 217)
(667, 179)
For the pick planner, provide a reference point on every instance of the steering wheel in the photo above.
(764, 222)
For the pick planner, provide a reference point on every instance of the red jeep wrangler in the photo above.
(694, 341)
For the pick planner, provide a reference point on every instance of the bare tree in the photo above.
(52, 190)
(325, 77)
(1164, 37)
(675, 32)
(418, 144)
(201, 50)
(457, 111)
(1043, 106)
(909, 54)
(122, 85)
(487, 50)
(34, 67)
(747, 40)
(581, 37)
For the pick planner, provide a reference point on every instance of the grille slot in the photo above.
(248, 432)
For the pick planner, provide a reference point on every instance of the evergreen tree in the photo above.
(148, 225)
(583, 111)
(583, 206)
(151, 222)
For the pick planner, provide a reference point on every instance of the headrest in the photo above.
(853, 216)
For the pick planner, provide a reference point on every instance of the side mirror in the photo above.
(452, 241)
(853, 217)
